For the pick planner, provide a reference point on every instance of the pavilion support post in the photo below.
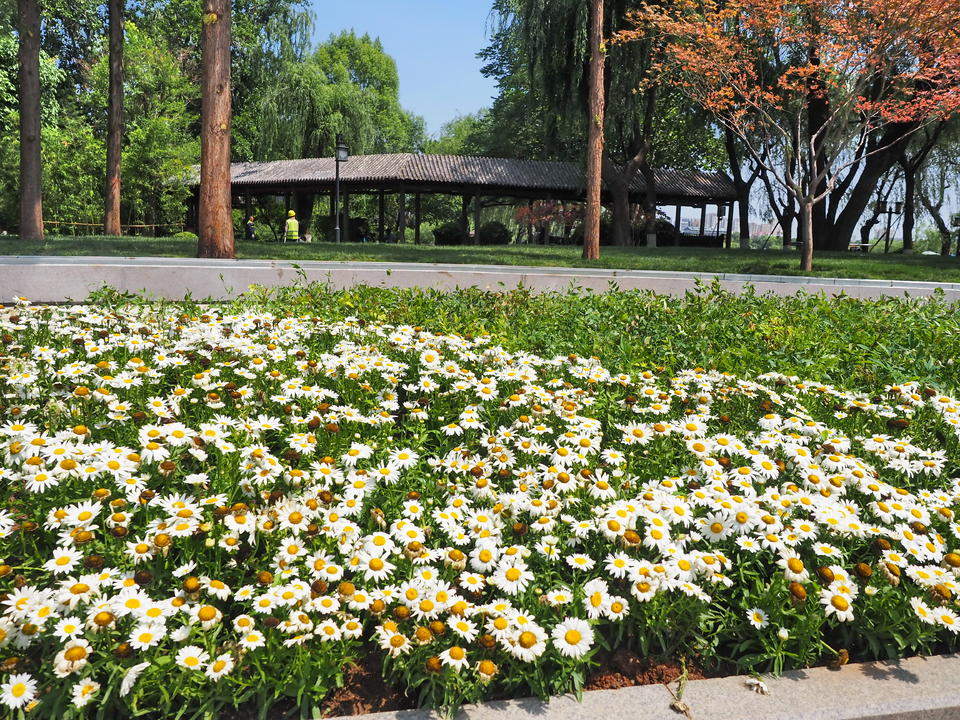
(402, 219)
(286, 202)
(465, 216)
(730, 226)
(477, 209)
(676, 219)
(416, 218)
(192, 220)
(651, 237)
(345, 225)
(529, 222)
(703, 219)
(381, 222)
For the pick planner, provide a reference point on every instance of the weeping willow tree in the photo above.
(347, 85)
(548, 40)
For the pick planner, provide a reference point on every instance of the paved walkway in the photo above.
(59, 279)
(912, 689)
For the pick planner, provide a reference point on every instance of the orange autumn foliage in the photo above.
(880, 61)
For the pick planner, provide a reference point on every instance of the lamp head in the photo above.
(342, 151)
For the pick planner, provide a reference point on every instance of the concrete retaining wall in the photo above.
(913, 689)
(59, 279)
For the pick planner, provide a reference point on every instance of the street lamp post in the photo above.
(341, 155)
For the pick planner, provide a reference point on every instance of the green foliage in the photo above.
(51, 75)
(186, 236)
(348, 85)
(289, 101)
(856, 343)
(58, 132)
(460, 136)
(72, 173)
(539, 53)
(159, 145)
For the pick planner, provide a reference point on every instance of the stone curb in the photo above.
(60, 279)
(911, 689)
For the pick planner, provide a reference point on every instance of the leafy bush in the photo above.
(494, 233)
(186, 236)
(666, 233)
(450, 233)
(359, 230)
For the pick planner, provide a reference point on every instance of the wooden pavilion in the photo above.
(470, 178)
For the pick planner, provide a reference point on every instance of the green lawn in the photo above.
(775, 262)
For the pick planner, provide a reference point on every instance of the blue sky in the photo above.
(434, 42)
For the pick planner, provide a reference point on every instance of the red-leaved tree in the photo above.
(818, 84)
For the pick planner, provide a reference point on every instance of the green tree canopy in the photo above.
(347, 85)
(160, 144)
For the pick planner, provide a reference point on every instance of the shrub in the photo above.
(493, 233)
(450, 234)
(186, 236)
(359, 230)
(666, 233)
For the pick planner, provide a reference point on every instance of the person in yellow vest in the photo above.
(292, 233)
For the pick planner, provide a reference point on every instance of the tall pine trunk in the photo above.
(215, 221)
(111, 210)
(594, 180)
(28, 56)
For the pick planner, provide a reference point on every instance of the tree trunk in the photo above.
(303, 205)
(620, 192)
(867, 227)
(909, 205)
(111, 210)
(786, 228)
(741, 186)
(818, 111)
(649, 202)
(743, 207)
(594, 180)
(216, 221)
(946, 236)
(31, 194)
(877, 164)
(910, 167)
(806, 261)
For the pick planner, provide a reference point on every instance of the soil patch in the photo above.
(624, 668)
(365, 691)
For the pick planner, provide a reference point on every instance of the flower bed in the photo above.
(208, 510)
